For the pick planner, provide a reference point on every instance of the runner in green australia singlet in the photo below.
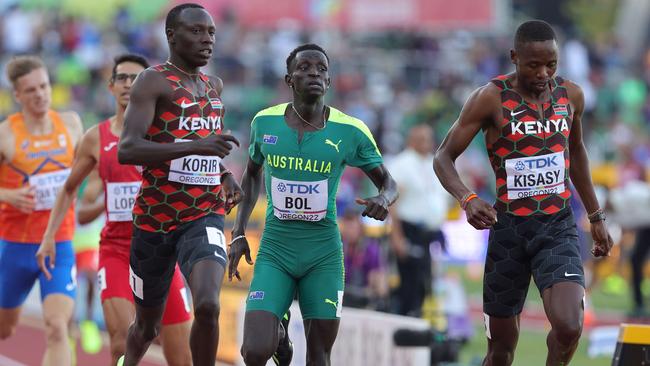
(303, 147)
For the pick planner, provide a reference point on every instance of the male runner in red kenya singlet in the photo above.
(531, 120)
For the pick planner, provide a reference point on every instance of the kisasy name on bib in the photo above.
(293, 200)
(195, 169)
(120, 199)
(535, 175)
(46, 186)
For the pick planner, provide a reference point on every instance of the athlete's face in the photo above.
(121, 82)
(536, 64)
(193, 37)
(309, 76)
(33, 92)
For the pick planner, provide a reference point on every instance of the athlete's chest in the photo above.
(320, 152)
(185, 115)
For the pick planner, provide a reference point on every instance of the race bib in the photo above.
(46, 186)
(535, 175)
(293, 200)
(120, 199)
(195, 169)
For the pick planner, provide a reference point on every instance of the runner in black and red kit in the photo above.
(531, 120)
(98, 152)
(173, 129)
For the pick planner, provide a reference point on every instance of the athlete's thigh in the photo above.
(320, 290)
(113, 276)
(18, 271)
(507, 269)
(58, 306)
(199, 240)
(64, 273)
(177, 308)
(564, 303)
(502, 333)
(119, 313)
(321, 335)
(272, 288)
(152, 263)
(558, 258)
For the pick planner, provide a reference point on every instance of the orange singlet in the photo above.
(43, 162)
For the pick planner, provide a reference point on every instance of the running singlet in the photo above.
(186, 188)
(530, 158)
(42, 162)
(302, 179)
(121, 186)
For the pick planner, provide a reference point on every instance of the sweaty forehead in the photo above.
(195, 16)
(545, 50)
(311, 55)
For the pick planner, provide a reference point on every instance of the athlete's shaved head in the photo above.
(534, 31)
(172, 17)
(304, 47)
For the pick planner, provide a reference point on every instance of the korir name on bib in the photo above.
(195, 169)
(120, 199)
(295, 200)
(46, 186)
(535, 175)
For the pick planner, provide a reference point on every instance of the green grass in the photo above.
(531, 350)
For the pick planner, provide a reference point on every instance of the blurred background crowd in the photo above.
(395, 70)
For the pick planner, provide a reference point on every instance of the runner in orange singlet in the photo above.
(36, 152)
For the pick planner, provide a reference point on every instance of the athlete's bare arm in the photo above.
(84, 162)
(377, 206)
(90, 206)
(479, 112)
(21, 198)
(149, 89)
(579, 171)
(250, 184)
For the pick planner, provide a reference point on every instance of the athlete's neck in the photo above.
(310, 111)
(534, 96)
(37, 124)
(117, 122)
(183, 66)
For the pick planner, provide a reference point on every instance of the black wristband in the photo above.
(598, 215)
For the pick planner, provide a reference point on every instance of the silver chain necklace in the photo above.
(307, 122)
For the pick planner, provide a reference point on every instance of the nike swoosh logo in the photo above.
(512, 113)
(566, 274)
(186, 105)
(110, 146)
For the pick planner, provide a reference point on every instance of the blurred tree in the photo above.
(594, 19)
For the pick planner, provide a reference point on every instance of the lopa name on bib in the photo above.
(120, 199)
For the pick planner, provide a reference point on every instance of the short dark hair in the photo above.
(304, 47)
(534, 31)
(175, 12)
(128, 57)
(20, 66)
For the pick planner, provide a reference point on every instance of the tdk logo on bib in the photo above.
(538, 163)
(299, 188)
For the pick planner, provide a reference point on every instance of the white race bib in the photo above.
(120, 199)
(46, 186)
(535, 175)
(195, 169)
(293, 200)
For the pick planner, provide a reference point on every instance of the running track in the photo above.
(26, 347)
